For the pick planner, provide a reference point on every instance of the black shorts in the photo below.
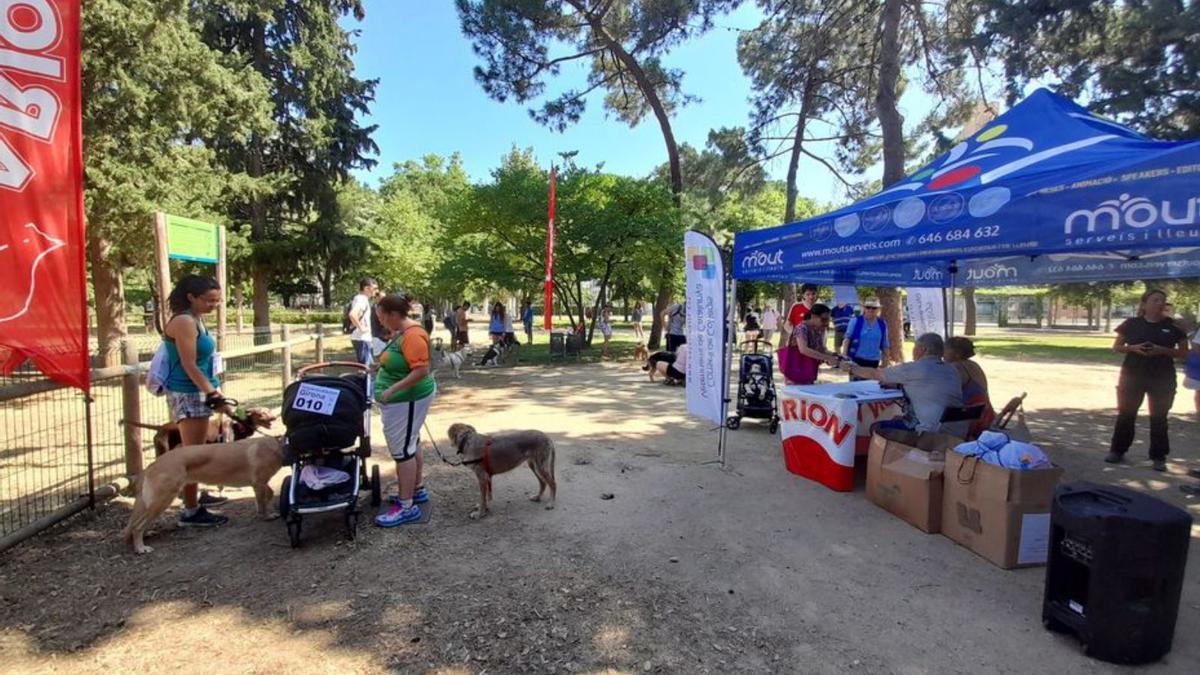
(675, 374)
(461, 337)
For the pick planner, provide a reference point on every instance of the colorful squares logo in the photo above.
(703, 260)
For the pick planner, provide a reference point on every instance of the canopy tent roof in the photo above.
(1047, 178)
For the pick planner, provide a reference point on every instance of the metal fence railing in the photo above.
(61, 451)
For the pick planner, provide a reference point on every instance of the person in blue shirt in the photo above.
(193, 392)
(866, 342)
(841, 321)
(527, 320)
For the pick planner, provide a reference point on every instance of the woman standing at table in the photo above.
(1150, 342)
(806, 349)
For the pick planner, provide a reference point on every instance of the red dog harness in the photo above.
(487, 451)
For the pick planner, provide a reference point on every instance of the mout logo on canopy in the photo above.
(928, 274)
(762, 260)
(996, 272)
(1127, 211)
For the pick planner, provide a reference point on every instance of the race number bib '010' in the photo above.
(316, 399)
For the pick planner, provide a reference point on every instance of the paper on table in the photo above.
(1035, 538)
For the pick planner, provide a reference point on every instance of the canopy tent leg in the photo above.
(731, 311)
(953, 304)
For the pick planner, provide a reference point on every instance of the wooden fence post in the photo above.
(131, 402)
(287, 356)
(320, 332)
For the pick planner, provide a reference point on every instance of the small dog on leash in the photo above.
(640, 353)
(490, 455)
(453, 360)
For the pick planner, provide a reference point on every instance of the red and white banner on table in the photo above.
(549, 310)
(825, 426)
(43, 302)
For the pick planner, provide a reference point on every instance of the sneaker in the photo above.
(1190, 490)
(1194, 473)
(1113, 458)
(420, 496)
(202, 518)
(398, 516)
(1158, 464)
(207, 499)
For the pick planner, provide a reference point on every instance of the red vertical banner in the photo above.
(549, 311)
(43, 302)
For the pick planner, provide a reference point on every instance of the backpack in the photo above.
(158, 372)
(855, 333)
(347, 324)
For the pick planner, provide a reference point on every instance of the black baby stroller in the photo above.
(756, 387)
(328, 440)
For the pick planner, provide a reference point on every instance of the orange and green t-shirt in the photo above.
(401, 357)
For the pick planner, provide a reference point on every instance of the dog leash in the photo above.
(439, 450)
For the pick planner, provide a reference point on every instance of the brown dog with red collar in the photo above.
(496, 454)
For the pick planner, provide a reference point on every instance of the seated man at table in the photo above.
(930, 385)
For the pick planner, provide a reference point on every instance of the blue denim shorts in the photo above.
(188, 405)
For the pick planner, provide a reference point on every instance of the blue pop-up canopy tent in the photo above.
(1048, 192)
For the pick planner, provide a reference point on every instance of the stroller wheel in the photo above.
(774, 426)
(293, 527)
(733, 423)
(376, 487)
(285, 498)
(351, 525)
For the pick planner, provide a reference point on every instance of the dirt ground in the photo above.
(688, 568)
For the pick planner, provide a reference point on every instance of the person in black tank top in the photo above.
(1151, 342)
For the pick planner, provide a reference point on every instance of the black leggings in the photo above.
(1134, 387)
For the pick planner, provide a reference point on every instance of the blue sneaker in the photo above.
(420, 496)
(202, 518)
(398, 516)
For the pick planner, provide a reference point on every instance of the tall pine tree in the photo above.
(306, 57)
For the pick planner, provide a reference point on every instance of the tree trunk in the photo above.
(891, 125)
(660, 305)
(258, 209)
(239, 292)
(1108, 314)
(793, 193)
(969, 316)
(109, 288)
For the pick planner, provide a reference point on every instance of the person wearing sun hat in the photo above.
(866, 341)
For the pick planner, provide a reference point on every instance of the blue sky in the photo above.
(428, 101)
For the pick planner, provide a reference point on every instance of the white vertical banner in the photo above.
(705, 330)
(926, 311)
(845, 295)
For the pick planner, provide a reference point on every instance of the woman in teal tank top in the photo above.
(192, 383)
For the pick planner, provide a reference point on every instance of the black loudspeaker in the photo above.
(1115, 571)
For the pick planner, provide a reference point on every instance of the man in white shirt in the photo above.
(360, 320)
(770, 322)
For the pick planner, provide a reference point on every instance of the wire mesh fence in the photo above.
(58, 444)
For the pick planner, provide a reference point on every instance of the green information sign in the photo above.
(193, 240)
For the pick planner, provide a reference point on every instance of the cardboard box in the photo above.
(1001, 514)
(904, 475)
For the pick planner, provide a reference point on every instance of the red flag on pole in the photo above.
(43, 306)
(549, 312)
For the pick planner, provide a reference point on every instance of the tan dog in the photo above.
(249, 462)
(493, 455)
(640, 353)
(166, 436)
